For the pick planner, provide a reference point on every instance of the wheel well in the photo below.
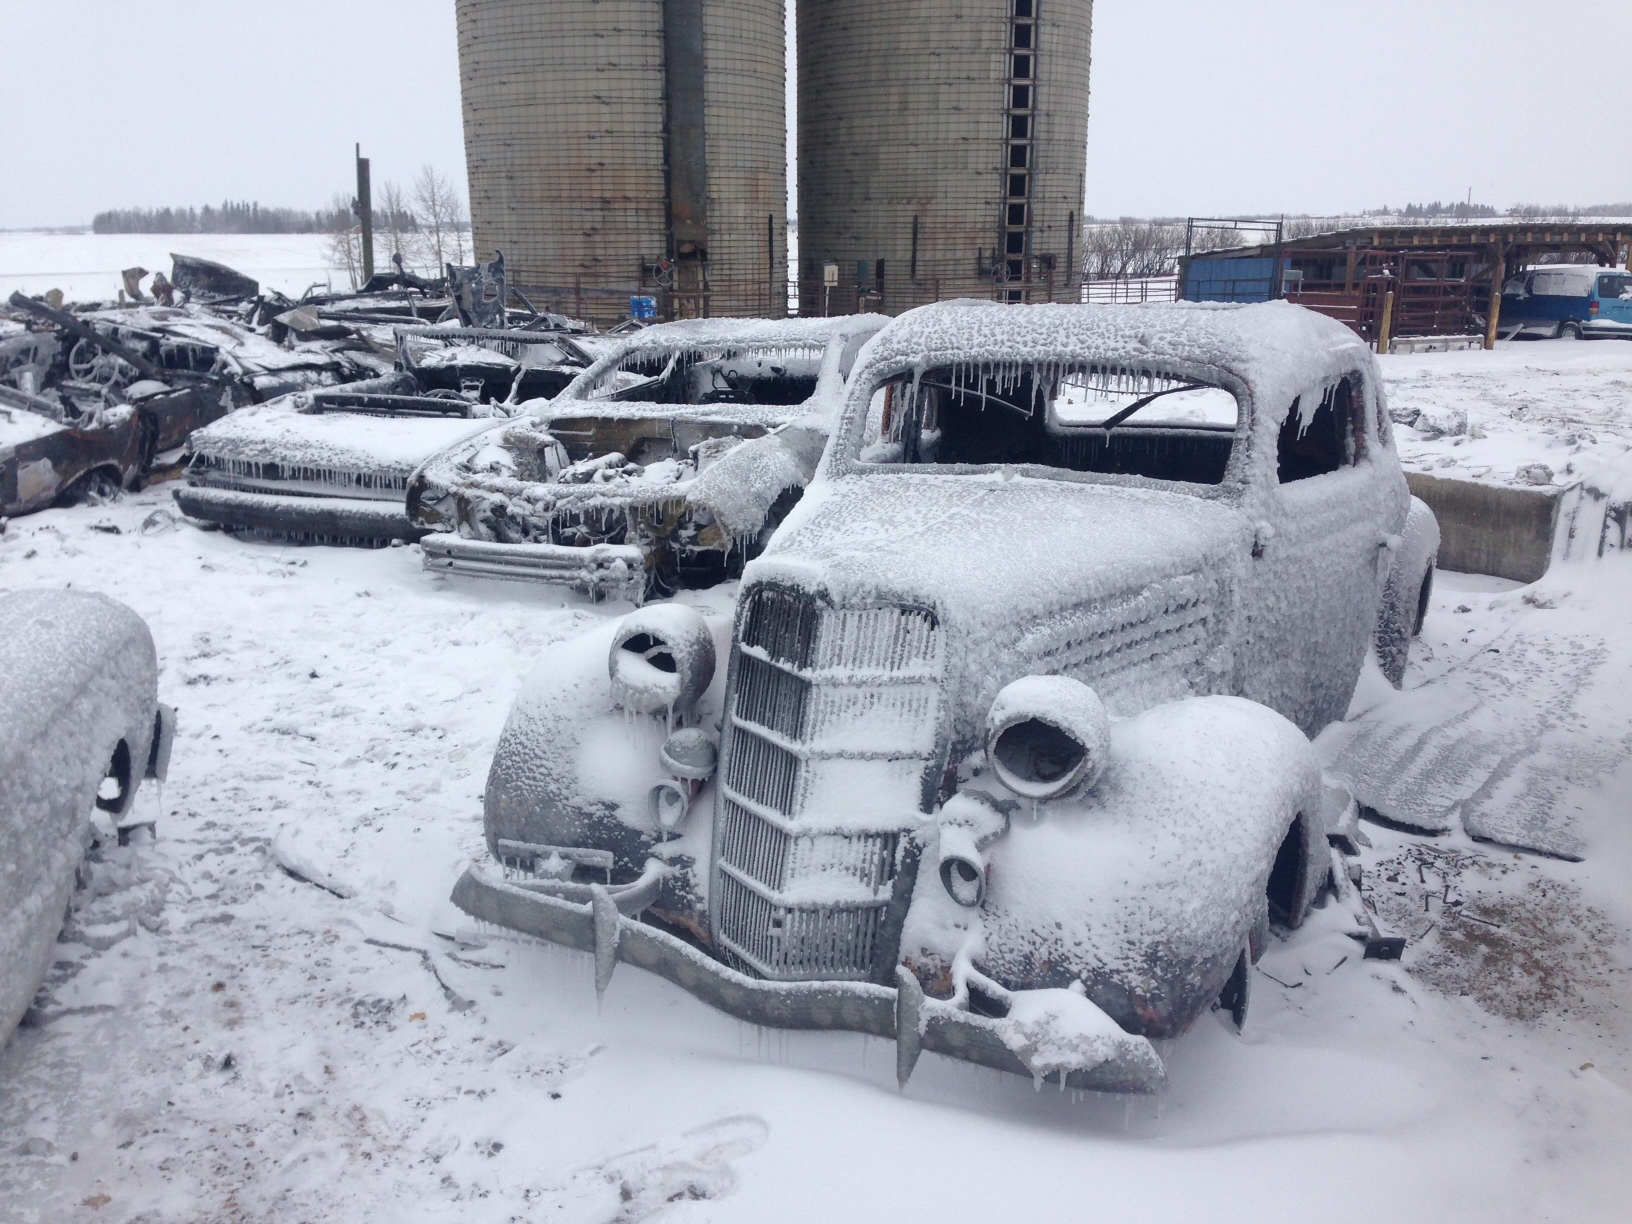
(120, 773)
(1288, 876)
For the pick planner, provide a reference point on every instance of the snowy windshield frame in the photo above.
(1223, 468)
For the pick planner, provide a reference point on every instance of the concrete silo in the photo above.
(941, 150)
(629, 147)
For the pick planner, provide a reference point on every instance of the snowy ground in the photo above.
(1484, 416)
(86, 267)
(247, 1046)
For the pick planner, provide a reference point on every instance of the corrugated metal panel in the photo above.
(1212, 279)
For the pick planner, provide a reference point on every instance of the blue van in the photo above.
(1569, 301)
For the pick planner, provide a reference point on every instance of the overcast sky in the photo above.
(1199, 106)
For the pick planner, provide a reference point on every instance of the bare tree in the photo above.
(1131, 248)
(395, 223)
(345, 242)
(440, 214)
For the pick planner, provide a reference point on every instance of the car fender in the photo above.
(573, 770)
(1148, 888)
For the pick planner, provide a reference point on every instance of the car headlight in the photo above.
(1047, 735)
(968, 823)
(662, 660)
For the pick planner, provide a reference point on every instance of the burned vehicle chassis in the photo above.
(665, 465)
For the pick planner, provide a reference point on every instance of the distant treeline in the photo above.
(1458, 210)
(1549, 211)
(230, 217)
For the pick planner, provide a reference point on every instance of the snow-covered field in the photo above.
(86, 267)
(226, 1042)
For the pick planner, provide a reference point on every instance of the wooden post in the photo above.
(1496, 274)
(1388, 323)
(365, 214)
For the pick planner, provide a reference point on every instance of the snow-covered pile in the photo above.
(1531, 413)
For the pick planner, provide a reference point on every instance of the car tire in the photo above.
(95, 487)
(1569, 330)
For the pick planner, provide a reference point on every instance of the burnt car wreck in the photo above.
(332, 466)
(665, 465)
(90, 405)
(1008, 757)
(100, 397)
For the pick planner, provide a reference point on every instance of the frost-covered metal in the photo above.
(1017, 700)
(80, 727)
(665, 464)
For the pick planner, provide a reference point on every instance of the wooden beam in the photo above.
(1497, 270)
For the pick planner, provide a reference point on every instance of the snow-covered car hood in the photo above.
(335, 441)
(977, 546)
(1126, 588)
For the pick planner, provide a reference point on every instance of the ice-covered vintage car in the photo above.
(666, 464)
(80, 727)
(332, 466)
(1012, 728)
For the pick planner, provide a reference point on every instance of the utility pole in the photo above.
(364, 204)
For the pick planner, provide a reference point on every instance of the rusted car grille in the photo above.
(771, 697)
(829, 709)
(791, 943)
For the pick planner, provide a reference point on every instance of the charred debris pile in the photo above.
(97, 397)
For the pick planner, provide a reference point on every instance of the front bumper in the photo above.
(321, 519)
(603, 926)
(615, 570)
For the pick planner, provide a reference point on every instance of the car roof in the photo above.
(1279, 350)
(767, 333)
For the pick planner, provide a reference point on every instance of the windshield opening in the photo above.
(1111, 420)
(723, 375)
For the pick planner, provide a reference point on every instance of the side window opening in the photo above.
(1323, 441)
(779, 377)
(1078, 419)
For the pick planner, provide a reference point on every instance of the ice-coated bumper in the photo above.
(323, 519)
(618, 570)
(603, 927)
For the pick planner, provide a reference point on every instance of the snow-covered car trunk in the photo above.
(1017, 699)
(79, 728)
(665, 465)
